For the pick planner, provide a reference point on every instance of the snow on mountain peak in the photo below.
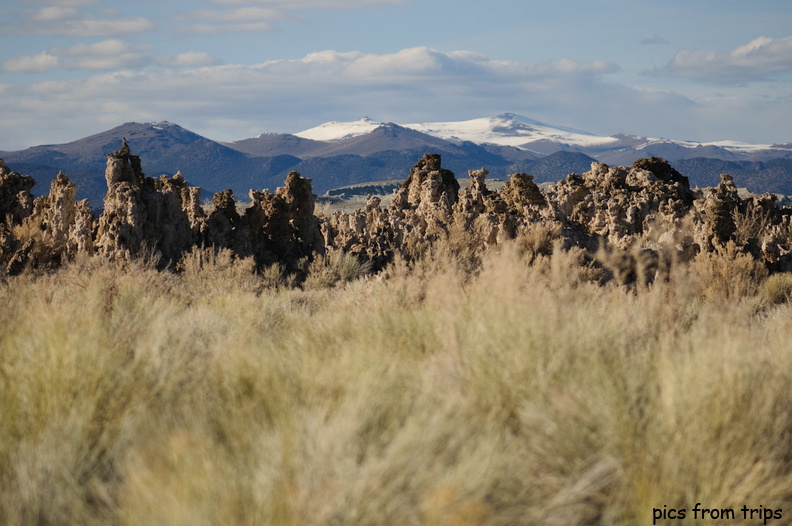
(160, 125)
(508, 129)
(338, 131)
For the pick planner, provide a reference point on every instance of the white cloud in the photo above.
(314, 4)
(262, 15)
(760, 59)
(104, 55)
(90, 27)
(69, 3)
(426, 64)
(55, 12)
(107, 62)
(72, 18)
(105, 47)
(239, 20)
(189, 59)
(238, 15)
(772, 54)
(241, 27)
(44, 61)
(66, 18)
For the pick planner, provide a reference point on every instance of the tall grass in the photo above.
(522, 393)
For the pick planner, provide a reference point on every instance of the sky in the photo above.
(700, 70)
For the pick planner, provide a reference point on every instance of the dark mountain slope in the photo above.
(278, 144)
(774, 175)
(165, 148)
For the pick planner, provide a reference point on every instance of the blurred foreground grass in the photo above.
(522, 393)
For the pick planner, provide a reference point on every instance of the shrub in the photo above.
(333, 268)
(777, 288)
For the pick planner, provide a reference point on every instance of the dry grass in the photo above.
(777, 288)
(522, 393)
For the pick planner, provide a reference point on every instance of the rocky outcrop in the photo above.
(522, 195)
(619, 205)
(371, 234)
(161, 215)
(282, 226)
(16, 202)
(428, 185)
(123, 167)
(224, 226)
(62, 227)
(718, 210)
(634, 220)
(41, 232)
(164, 215)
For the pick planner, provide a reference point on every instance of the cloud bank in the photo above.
(761, 59)
(228, 102)
(78, 19)
(109, 54)
(68, 20)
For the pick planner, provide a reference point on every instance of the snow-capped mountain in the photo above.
(509, 129)
(339, 131)
(506, 129)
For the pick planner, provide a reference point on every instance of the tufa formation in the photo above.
(623, 217)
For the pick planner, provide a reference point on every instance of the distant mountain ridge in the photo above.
(337, 154)
(164, 148)
(509, 129)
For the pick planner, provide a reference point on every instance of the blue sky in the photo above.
(230, 69)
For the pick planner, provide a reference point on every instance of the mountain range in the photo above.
(337, 154)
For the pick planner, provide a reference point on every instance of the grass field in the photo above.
(521, 393)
